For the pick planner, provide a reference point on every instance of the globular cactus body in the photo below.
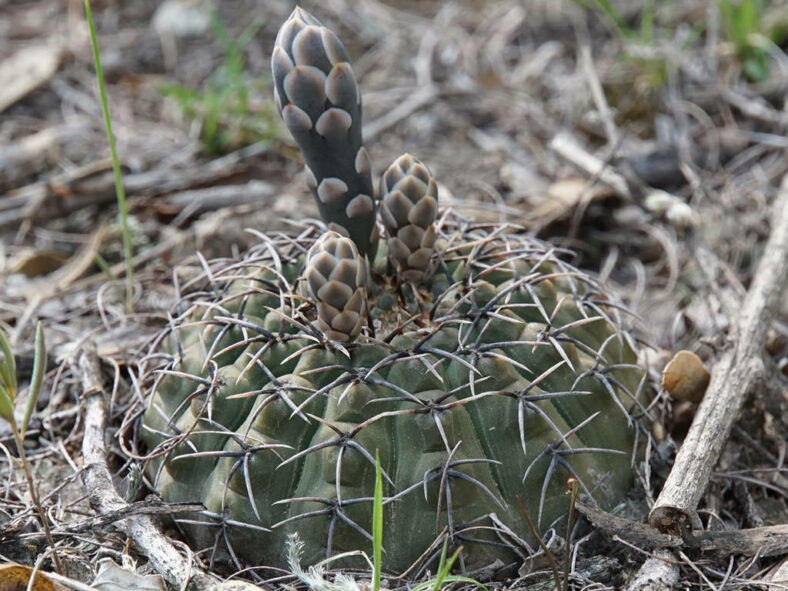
(484, 368)
(509, 376)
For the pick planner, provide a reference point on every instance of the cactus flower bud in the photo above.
(408, 207)
(317, 95)
(336, 277)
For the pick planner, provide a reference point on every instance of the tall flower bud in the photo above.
(319, 100)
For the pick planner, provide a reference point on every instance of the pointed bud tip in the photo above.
(304, 16)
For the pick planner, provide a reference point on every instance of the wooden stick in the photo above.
(658, 573)
(92, 185)
(732, 378)
(105, 500)
(568, 148)
(771, 540)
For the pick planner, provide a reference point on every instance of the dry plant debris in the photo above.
(685, 377)
(504, 99)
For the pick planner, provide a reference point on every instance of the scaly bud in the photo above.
(317, 95)
(408, 207)
(337, 277)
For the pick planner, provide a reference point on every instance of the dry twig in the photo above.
(568, 148)
(658, 573)
(757, 541)
(732, 377)
(106, 501)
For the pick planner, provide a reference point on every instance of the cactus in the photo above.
(476, 363)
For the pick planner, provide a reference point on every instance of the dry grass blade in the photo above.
(548, 554)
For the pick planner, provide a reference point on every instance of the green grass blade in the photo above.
(458, 579)
(647, 23)
(377, 526)
(748, 15)
(444, 566)
(443, 576)
(7, 368)
(39, 369)
(119, 191)
(734, 26)
(607, 8)
(229, 47)
(6, 405)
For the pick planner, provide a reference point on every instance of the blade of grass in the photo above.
(8, 385)
(647, 23)
(458, 579)
(607, 8)
(7, 379)
(7, 367)
(377, 526)
(39, 369)
(748, 17)
(6, 405)
(442, 577)
(119, 191)
(444, 566)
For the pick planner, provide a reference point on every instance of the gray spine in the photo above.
(317, 95)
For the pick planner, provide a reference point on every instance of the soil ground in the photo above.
(507, 101)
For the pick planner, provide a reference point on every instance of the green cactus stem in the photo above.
(509, 375)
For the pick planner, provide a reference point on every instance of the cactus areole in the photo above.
(476, 363)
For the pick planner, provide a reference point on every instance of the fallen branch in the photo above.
(658, 573)
(755, 107)
(35, 153)
(770, 540)
(93, 185)
(638, 534)
(757, 541)
(732, 378)
(585, 571)
(150, 506)
(416, 101)
(196, 201)
(567, 147)
(105, 500)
